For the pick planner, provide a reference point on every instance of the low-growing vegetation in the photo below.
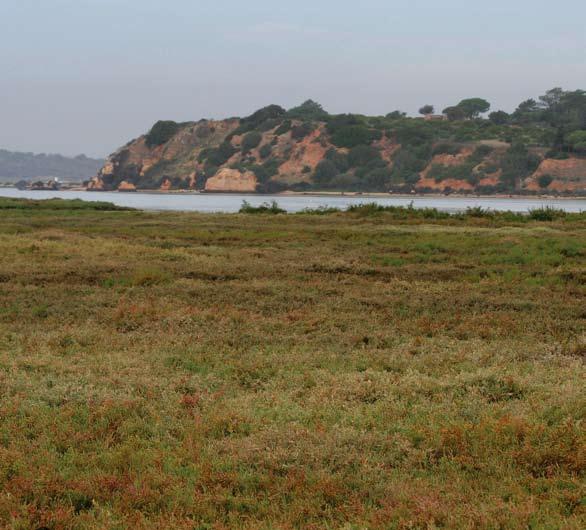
(376, 368)
(266, 207)
(7, 203)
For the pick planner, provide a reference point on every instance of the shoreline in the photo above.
(351, 194)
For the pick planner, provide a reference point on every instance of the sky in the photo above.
(86, 76)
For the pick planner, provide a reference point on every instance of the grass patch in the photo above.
(376, 368)
(7, 203)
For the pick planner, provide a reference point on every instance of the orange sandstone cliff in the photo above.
(276, 153)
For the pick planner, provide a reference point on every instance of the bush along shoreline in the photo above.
(545, 213)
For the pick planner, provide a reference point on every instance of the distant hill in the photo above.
(16, 166)
(541, 147)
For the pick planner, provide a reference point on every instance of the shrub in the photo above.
(346, 182)
(339, 159)
(376, 163)
(396, 115)
(262, 115)
(362, 155)
(340, 121)
(478, 211)
(354, 135)
(517, 164)
(489, 168)
(309, 110)
(377, 179)
(250, 141)
(349, 130)
(267, 125)
(557, 155)
(499, 117)
(547, 213)
(482, 151)
(161, 133)
(265, 207)
(446, 148)
(441, 172)
(210, 170)
(265, 171)
(298, 132)
(265, 151)
(218, 156)
(414, 133)
(409, 162)
(271, 186)
(325, 171)
(577, 141)
(544, 181)
(454, 113)
(284, 128)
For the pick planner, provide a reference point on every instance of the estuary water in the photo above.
(231, 202)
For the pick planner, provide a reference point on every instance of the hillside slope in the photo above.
(307, 149)
(15, 166)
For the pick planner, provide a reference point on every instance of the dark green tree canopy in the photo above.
(474, 107)
(426, 109)
(499, 117)
(454, 113)
(577, 141)
(396, 115)
(527, 111)
(325, 171)
(362, 155)
(161, 133)
(552, 98)
(250, 141)
(261, 115)
(309, 110)
(544, 181)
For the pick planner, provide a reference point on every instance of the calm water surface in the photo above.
(229, 203)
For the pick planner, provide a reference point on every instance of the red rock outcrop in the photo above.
(166, 185)
(567, 175)
(126, 186)
(307, 153)
(95, 184)
(447, 160)
(232, 180)
(426, 182)
(387, 147)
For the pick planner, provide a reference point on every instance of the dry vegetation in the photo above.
(290, 371)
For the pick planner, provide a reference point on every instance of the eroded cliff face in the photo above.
(232, 180)
(222, 156)
(299, 156)
(126, 186)
(565, 175)
(152, 167)
(445, 160)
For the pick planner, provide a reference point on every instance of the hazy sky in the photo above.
(85, 76)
